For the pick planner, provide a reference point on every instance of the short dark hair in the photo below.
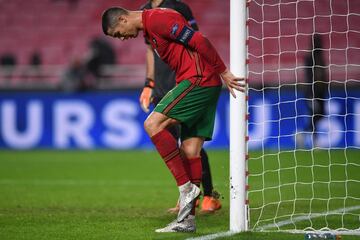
(111, 16)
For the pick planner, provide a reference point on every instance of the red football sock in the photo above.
(196, 173)
(186, 165)
(195, 170)
(168, 149)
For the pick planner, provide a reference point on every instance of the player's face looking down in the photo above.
(124, 29)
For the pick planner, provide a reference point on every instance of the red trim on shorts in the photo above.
(181, 96)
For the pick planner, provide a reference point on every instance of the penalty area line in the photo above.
(213, 236)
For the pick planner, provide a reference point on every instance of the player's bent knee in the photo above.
(190, 151)
(191, 147)
(152, 126)
(148, 125)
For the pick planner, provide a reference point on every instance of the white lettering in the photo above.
(73, 120)
(124, 130)
(330, 128)
(357, 123)
(31, 135)
(260, 127)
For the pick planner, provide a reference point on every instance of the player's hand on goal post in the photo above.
(232, 82)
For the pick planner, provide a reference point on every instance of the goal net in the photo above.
(304, 124)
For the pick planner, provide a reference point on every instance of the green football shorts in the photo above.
(193, 106)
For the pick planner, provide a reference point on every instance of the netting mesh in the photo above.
(304, 105)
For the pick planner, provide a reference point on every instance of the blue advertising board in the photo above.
(114, 120)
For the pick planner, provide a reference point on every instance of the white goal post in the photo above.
(238, 111)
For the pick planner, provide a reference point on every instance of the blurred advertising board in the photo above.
(114, 120)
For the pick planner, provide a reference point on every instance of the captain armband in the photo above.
(185, 35)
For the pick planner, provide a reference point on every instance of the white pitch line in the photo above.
(311, 216)
(279, 224)
(213, 236)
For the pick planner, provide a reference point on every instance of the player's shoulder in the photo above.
(146, 6)
(179, 4)
(174, 4)
(161, 19)
(162, 13)
(171, 3)
(175, 1)
(180, 7)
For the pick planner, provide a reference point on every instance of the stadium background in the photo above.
(53, 39)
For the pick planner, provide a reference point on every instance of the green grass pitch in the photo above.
(125, 194)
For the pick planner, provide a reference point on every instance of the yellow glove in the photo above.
(146, 95)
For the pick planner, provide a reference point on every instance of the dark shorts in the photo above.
(193, 106)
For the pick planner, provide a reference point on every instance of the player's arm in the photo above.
(203, 46)
(150, 63)
(198, 42)
(186, 12)
(175, 29)
(146, 94)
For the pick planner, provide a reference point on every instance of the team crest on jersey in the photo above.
(174, 28)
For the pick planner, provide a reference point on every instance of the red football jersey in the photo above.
(186, 51)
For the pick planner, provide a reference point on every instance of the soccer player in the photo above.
(316, 76)
(192, 103)
(316, 73)
(160, 79)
